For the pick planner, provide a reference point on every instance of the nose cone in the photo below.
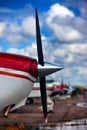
(46, 70)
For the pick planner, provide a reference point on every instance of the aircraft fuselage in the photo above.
(17, 76)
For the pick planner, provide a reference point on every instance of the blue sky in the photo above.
(64, 34)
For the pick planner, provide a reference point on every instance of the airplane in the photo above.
(61, 90)
(18, 74)
(35, 93)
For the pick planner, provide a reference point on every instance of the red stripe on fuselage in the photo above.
(48, 89)
(19, 62)
(15, 75)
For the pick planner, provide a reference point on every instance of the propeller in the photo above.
(43, 70)
(41, 62)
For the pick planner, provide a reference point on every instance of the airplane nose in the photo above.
(33, 68)
(47, 69)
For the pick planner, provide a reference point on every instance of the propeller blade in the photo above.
(39, 44)
(44, 97)
(41, 62)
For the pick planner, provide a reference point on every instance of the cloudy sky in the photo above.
(64, 34)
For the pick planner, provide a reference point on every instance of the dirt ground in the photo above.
(29, 115)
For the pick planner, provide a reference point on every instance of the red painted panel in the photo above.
(18, 62)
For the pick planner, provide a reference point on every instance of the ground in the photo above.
(30, 116)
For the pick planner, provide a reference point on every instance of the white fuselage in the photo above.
(14, 87)
(36, 89)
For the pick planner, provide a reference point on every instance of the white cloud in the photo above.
(2, 29)
(27, 51)
(0, 48)
(43, 38)
(14, 32)
(66, 72)
(28, 26)
(13, 27)
(70, 58)
(78, 48)
(72, 34)
(83, 8)
(16, 51)
(58, 10)
(5, 10)
(14, 39)
(59, 19)
(10, 32)
(59, 52)
(82, 71)
(68, 53)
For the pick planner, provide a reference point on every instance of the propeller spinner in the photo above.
(42, 69)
